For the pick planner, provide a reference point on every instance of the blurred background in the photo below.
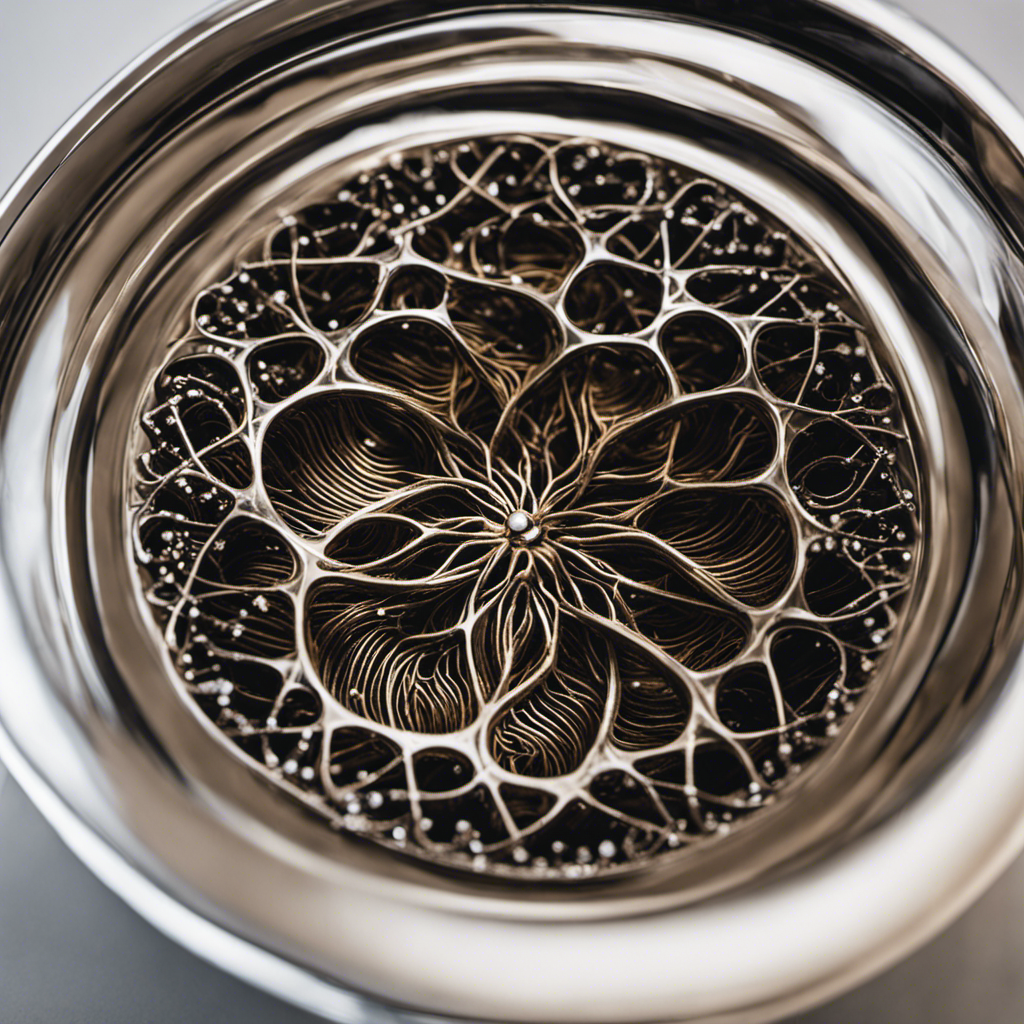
(70, 951)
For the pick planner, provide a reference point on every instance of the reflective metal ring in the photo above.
(513, 513)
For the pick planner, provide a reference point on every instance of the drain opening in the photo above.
(529, 505)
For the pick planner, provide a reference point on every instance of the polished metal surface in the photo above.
(819, 126)
(463, 515)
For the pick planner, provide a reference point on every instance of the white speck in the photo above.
(519, 522)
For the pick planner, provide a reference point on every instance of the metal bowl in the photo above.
(896, 166)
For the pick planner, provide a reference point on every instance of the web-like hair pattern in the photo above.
(528, 505)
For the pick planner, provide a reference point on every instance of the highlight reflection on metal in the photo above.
(529, 505)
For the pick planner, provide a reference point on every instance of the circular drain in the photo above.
(528, 504)
(482, 481)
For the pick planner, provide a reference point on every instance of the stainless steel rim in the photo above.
(93, 744)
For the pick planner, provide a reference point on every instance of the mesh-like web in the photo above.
(529, 505)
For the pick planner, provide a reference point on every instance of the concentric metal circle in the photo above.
(900, 187)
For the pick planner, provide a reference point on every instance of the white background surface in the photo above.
(70, 952)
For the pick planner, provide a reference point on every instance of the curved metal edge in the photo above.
(305, 989)
(80, 123)
(188, 929)
(269, 971)
(897, 24)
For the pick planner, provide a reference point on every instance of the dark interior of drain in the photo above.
(527, 505)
